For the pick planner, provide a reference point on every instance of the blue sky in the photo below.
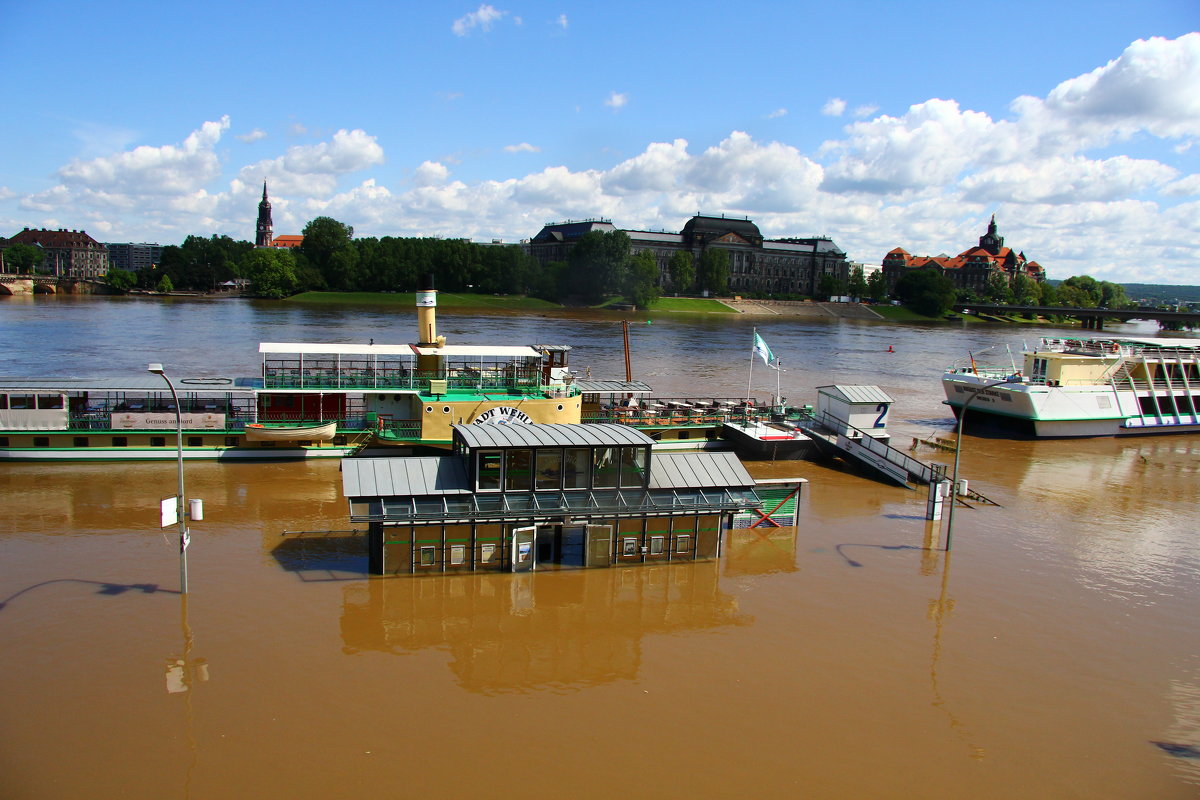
(880, 124)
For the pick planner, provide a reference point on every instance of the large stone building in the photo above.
(758, 265)
(68, 254)
(970, 269)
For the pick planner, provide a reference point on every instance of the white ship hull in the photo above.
(1086, 388)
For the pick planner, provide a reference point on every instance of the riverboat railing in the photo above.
(677, 412)
(527, 381)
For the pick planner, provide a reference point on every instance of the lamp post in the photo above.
(157, 369)
(962, 415)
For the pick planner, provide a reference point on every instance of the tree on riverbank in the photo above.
(643, 279)
(713, 272)
(200, 264)
(682, 269)
(23, 259)
(271, 272)
(926, 291)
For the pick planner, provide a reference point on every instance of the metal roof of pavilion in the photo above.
(674, 478)
(857, 394)
(389, 477)
(698, 470)
(548, 435)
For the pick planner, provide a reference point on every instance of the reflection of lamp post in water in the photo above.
(962, 415)
(157, 369)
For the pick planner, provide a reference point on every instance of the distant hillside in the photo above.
(1155, 293)
(1162, 293)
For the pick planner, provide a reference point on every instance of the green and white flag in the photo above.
(761, 349)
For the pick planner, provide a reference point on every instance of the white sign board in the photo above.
(165, 421)
(170, 512)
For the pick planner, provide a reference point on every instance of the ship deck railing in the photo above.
(465, 380)
(682, 412)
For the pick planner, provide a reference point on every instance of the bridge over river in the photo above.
(11, 284)
(1089, 318)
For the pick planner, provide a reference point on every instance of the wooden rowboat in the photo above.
(286, 432)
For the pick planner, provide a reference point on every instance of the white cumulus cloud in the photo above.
(835, 107)
(153, 170)
(616, 100)
(523, 147)
(252, 136)
(482, 18)
(430, 173)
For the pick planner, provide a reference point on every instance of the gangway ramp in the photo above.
(839, 438)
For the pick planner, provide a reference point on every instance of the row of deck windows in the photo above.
(123, 441)
(521, 469)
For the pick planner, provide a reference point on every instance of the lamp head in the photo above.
(157, 369)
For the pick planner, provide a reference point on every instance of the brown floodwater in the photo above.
(1053, 653)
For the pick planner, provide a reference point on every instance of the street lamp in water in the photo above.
(157, 369)
(962, 415)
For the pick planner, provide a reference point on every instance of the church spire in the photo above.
(992, 241)
(262, 233)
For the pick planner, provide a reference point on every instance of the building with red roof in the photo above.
(71, 254)
(970, 269)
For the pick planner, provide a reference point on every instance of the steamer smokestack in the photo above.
(426, 312)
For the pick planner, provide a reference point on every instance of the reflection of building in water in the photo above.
(523, 632)
(761, 551)
(518, 497)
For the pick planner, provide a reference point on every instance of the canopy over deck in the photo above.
(477, 351)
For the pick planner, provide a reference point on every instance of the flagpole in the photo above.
(778, 369)
(753, 340)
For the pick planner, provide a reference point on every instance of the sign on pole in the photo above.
(170, 512)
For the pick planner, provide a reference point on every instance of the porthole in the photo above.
(445, 409)
(560, 406)
(428, 409)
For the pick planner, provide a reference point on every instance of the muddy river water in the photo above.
(1054, 653)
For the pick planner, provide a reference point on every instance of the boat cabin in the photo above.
(852, 410)
(543, 496)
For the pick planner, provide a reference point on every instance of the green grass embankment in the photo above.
(699, 305)
(445, 300)
(902, 314)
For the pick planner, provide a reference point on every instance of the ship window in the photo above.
(50, 401)
(194, 441)
(21, 401)
(488, 470)
(3, 401)
(657, 545)
(120, 441)
(605, 467)
(518, 469)
(231, 441)
(41, 441)
(633, 466)
(3, 441)
(549, 469)
(80, 441)
(158, 441)
(683, 543)
(575, 468)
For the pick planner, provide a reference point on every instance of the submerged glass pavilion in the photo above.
(516, 497)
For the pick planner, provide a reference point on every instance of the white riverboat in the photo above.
(1084, 386)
